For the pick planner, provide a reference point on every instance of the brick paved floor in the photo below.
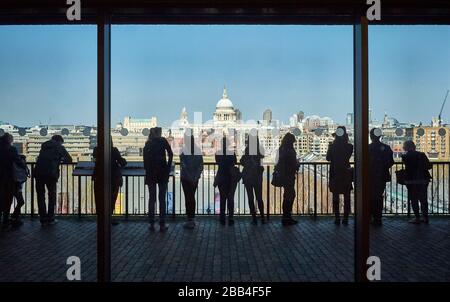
(311, 251)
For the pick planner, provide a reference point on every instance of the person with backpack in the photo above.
(191, 162)
(157, 167)
(51, 155)
(252, 176)
(117, 163)
(285, 171)
(9, 158)
(380, 162)
(417, 178)
(21, 175)
(227, 178)
(341, 174)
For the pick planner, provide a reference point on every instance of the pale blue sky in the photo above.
(48, 73)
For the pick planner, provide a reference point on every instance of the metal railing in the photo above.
(75, 194)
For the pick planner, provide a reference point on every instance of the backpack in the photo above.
(20, 174)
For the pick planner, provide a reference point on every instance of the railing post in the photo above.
(32, 191)
(315, 191)
(268, 192)
(79, 197)
(126, 198)
(409, 204)
(173, 195)
(448, 194)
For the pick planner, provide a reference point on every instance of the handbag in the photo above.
(277, 178)
(401, 176)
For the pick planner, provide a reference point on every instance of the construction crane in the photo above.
(442, 108)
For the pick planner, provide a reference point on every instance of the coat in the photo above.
(117, 163)
(21, 171)
(225, 162)
(51, 155)
(252, 171)
(416, 167)
(9, 160)
(381, 160)
(191, 167)
(287, 164)
(339, 153)
(156, 164)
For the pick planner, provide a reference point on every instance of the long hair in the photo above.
(287, 141)
(153, 134)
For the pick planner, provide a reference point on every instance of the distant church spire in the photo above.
(224, 95)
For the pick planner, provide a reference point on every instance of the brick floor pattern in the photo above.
(313, 250)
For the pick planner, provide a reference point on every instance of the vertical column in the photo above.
(103, 183)
(361, 152)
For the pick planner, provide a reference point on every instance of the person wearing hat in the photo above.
(341, 174)
(51, 155)
(380, 161)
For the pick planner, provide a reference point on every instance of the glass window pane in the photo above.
(409, 81)
(48, 104)
(230, 80)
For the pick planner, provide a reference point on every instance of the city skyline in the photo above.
(284, 68)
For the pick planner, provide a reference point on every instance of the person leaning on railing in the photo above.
(287, 166)
(191, 162)
(417, 178)
(117, 163)
(21, 175)
(341, 174)
(9, 157)
(252, 175)
(51, 155)
(157, 171)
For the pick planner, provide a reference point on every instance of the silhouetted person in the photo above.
(417, 178)
(9, 158)
(341, 174)
(252, 176)
(191, 162)
(157, 170)
(226, 180)
(51, 155)
(21, 174)
(288, 165)
(381, 160)
(117, 163)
